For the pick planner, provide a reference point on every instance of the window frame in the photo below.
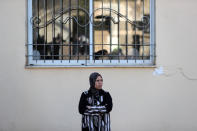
(90, 62)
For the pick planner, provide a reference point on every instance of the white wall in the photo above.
(47, 99)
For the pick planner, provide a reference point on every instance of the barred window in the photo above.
(91, 33)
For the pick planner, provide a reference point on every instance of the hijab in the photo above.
(92, 80)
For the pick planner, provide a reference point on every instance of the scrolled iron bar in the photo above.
(73, 18)
(36, 21)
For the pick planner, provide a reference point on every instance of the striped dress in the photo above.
(95, 111)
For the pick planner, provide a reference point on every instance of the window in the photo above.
(91, 33)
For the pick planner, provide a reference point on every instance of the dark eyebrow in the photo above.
(100, 79)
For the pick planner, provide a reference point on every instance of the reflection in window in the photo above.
(63, 38)
(122, 40)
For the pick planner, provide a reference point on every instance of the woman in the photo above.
(95, 105)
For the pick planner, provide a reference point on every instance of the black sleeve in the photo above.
(109, 103)
(82, 104)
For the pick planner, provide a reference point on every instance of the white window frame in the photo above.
(91, 62)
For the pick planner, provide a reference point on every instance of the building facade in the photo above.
(152, 90)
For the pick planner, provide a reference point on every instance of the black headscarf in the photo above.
(92, 80)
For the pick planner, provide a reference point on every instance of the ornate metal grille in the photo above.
(90, 32)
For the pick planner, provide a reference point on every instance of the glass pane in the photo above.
(58, 33)
(122, 26)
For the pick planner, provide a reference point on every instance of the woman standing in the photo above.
(95, 105)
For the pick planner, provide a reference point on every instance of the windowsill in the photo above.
(95, 66)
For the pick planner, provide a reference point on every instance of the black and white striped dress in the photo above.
(95, 111)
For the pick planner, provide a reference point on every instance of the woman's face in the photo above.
(99, 82)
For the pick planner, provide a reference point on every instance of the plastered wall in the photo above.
(145, 99)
